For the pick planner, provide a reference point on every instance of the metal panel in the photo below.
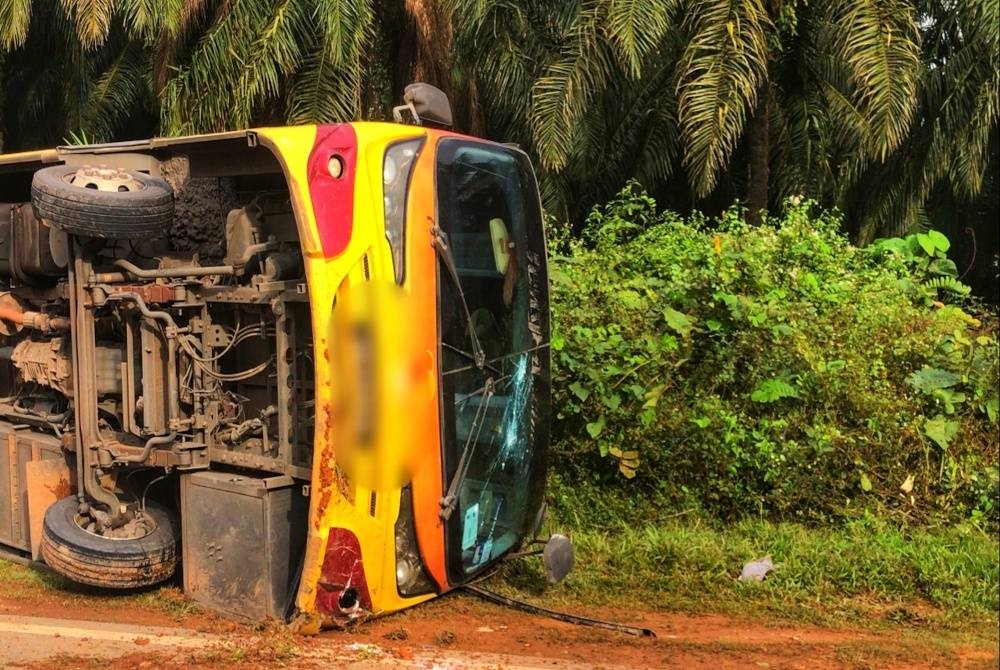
(153, 361)
(18, 493)
(18, 450)
(243, 539)
(8, 494)
(47, 480)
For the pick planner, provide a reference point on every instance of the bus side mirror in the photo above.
(427, 104)
(557, 558)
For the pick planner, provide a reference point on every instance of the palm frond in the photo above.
(273, 57)
(194, 98)
(559, 97)
(801, 145)
(147, 19)
(113, 95)
(328, 85)
(958, 116)
(636, 28)
(718, 77)
(179, 28)
(968, 166)
(92, 19)
(325, 89)
(15, 17)
(878, 42)
(346, 25)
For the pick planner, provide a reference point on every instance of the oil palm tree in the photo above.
(950, 154)
(67, 67)
(203, 65)
(871, 105)
(837, 74)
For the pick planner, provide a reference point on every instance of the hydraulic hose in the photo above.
(147, 449)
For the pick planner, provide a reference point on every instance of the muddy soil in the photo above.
(200, 205)
(445, 629)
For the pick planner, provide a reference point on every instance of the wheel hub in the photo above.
(129, 526)
(103, 178)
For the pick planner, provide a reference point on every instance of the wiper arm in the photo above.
(439, 240)
(450, 499)
(470, 357)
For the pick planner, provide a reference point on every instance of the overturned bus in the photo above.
(307, 367)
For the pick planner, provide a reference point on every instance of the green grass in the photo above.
(864, 573)
(20, 581)
(23, 582)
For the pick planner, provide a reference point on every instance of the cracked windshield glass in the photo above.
(494, 361)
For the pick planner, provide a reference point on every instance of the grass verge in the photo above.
(21, 582)
(866, 572)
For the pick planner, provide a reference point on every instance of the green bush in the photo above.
(774, 370)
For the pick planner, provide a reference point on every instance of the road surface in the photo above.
(29, 642)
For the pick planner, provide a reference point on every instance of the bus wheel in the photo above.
(103, 202)
(111, 562)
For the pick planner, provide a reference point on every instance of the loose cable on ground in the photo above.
(559, 616)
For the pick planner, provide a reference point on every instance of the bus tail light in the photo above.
(342, 592)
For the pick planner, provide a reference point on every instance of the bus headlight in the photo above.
(411, 577)
(396, 170)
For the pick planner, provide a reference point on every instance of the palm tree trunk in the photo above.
(425, 49)
(758, 150)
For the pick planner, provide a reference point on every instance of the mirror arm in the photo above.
(397, 114)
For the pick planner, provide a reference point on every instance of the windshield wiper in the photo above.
(439, 240)
(470, 357)
(450, 499)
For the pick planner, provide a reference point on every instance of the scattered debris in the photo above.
(366, 652)
(445, 637)
(397, 635)
(756, 571)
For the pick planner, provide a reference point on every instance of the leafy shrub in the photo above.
(775, 370)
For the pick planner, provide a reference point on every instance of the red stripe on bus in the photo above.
(333, 196)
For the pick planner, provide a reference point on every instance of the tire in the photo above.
(136, 214)
(110, 563)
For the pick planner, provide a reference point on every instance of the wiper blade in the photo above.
(450, 499)
(439, 240)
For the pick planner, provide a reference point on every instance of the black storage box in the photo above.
(243, 539)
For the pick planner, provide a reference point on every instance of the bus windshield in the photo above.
(494, 350)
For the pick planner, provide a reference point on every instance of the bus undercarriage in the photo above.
(128, 356)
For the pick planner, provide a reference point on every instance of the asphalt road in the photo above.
(24, 640)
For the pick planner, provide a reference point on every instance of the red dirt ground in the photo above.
(460, 623)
